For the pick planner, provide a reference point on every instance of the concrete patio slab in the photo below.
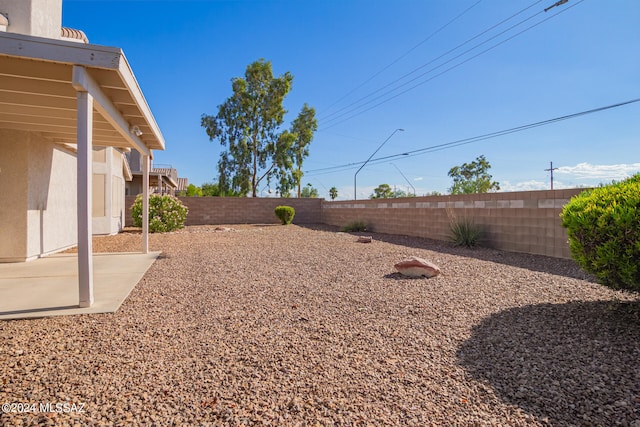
(49, 286)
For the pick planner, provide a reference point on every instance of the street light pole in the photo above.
(405, 178)
(355, 176)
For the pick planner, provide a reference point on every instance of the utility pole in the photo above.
(551, 169)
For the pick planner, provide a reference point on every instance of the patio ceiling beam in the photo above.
(37, 100)
(10, 66)
(55, 125)
(15, 84)
(82, 81)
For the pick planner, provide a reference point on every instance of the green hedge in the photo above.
(166, 213)
(285, 214)
(603, 225)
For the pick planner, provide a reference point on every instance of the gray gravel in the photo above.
(295, 326)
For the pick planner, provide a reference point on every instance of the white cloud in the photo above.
(607, 172)
(533, 185)
(530, 185)
(418, 178)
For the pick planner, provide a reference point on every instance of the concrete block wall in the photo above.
(243, 210)
(527, 222)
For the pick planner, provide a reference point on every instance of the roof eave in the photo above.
(134, 88)
(88, 56)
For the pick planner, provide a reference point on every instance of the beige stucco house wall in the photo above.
(41, 18)
(108, 190)
(38, 202)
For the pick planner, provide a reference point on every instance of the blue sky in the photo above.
(347, 56)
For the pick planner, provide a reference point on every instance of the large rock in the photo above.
(417, 267)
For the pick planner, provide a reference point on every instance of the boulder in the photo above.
(364, 239)
(417, 267)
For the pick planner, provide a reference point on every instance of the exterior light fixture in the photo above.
(135, 130)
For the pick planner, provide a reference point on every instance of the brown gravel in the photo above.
(295, 326)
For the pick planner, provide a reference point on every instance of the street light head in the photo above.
(401, 130)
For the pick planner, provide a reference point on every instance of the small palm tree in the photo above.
(333, 193)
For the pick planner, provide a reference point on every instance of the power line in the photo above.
(428, 63)
(395, 61)
(355, 114)
(465, 141)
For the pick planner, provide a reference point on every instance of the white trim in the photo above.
(83, 81)
(145, 203)
(134, 89)
(46, 49)
(126, 168)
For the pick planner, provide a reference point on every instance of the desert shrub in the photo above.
(464, 233)
(285, 214)
(603, 225)
(355, 226)
(166, 213)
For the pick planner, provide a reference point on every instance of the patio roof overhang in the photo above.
(83, 95)
(38, 92)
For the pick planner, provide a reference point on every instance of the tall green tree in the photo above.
(303, 127)
(212, 189)
(309, 191)
(284, 164)
(471, 178)
(401, 193)
(193, 191)
(382, 191)
(247, 124)
(333, 193)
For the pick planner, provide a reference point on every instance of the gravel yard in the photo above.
(302, 326)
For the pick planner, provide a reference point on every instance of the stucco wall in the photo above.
(38, 201)
(42, 18)
(108, 191)
(13, 197)
(51, 201)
